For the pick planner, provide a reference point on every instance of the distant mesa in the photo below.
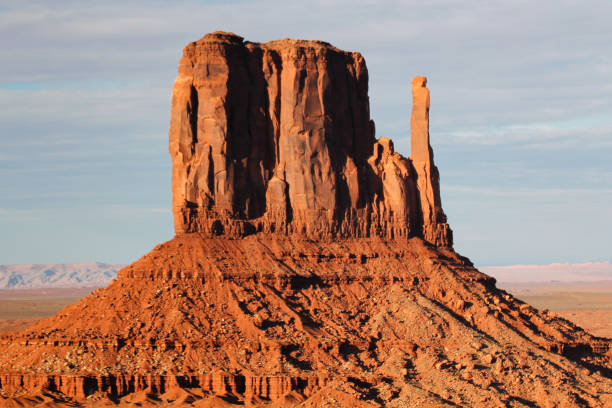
(561, 272)
(39, 276)
(312, 266)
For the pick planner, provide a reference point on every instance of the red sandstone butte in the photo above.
(312, 267)
(277, 138)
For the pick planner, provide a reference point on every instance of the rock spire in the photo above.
(434, 227)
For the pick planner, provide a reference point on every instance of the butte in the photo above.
(312, 266)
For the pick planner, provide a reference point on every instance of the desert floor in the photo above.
(20, 308)
(589, 305)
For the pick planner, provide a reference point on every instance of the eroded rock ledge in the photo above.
(277, 138)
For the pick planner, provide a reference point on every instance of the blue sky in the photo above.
(521, 117)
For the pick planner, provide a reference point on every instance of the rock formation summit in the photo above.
(312, 267)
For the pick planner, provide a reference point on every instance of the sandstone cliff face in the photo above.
(277, 137)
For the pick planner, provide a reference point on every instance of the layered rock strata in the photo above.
(277, 137)
(312, 267)
(270, 320)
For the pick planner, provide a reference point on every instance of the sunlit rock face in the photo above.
(277, 138)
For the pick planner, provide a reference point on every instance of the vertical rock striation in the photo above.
(277, 137)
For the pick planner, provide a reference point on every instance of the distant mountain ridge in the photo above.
(99, 274)
(555, 272)
(34, 276)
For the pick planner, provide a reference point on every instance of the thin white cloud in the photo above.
(513, 192)
(121, 211)
(589, 134)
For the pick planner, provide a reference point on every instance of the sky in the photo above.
(520, 120)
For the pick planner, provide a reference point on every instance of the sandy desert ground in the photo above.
(22, 307)
(589, 305)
